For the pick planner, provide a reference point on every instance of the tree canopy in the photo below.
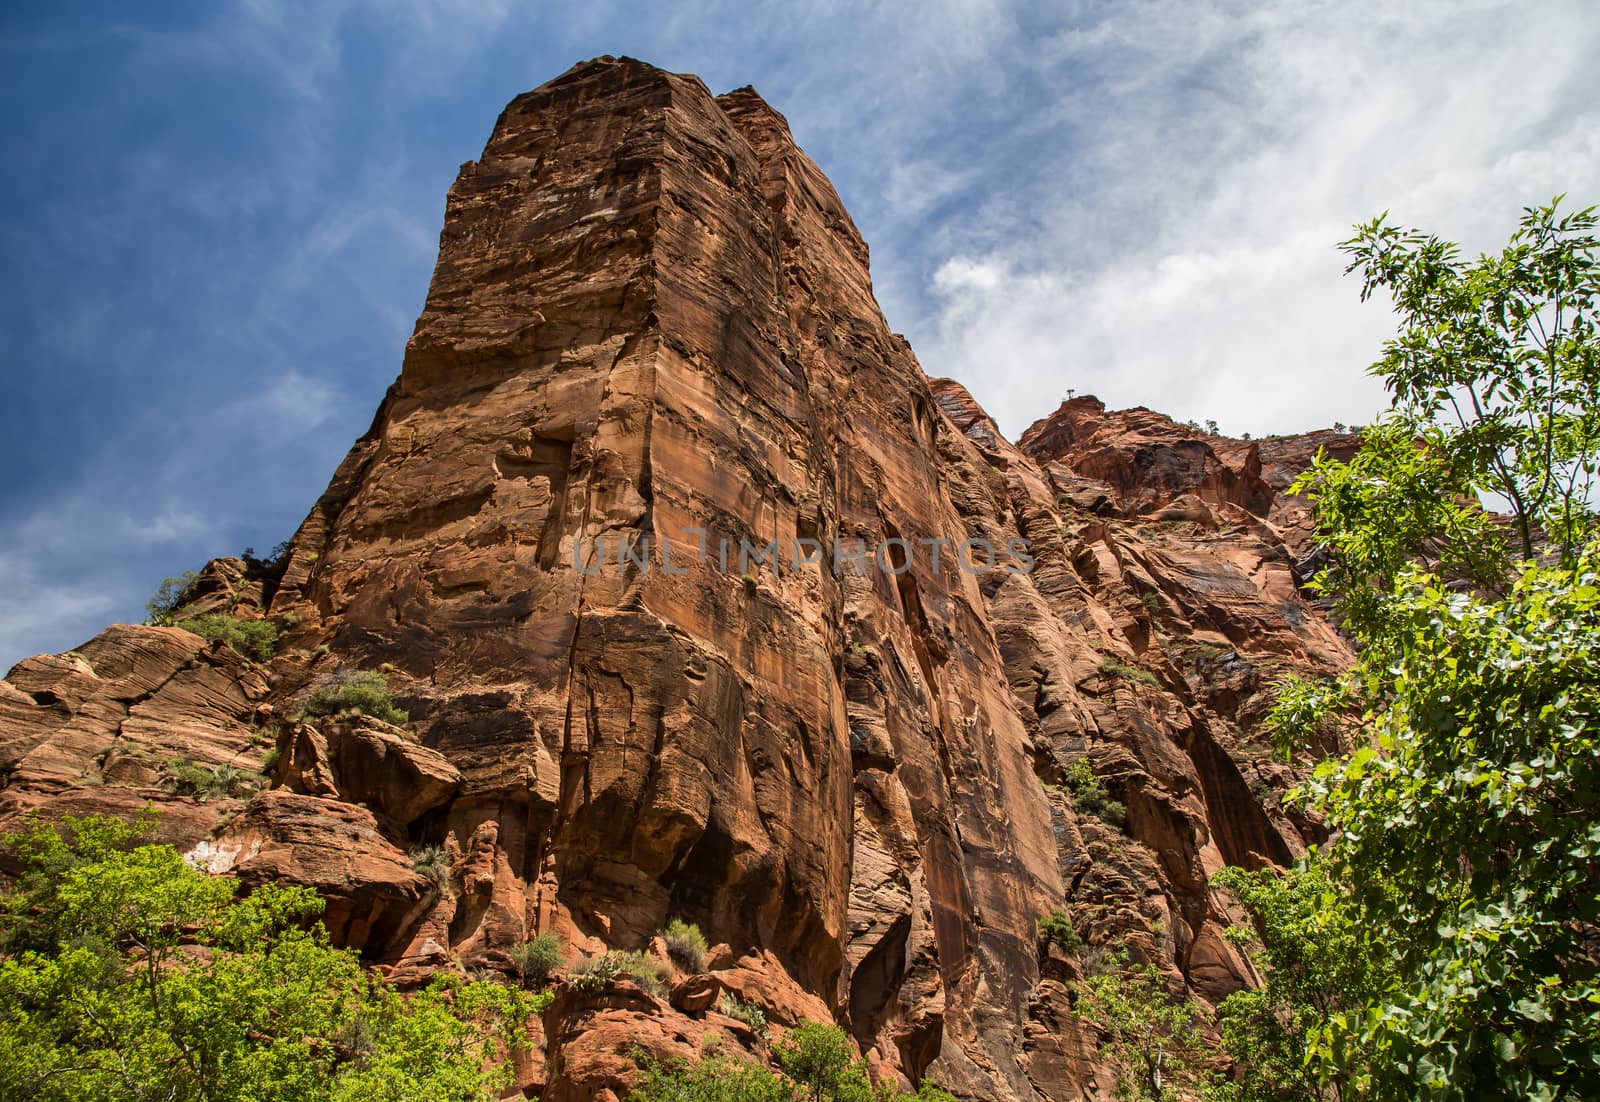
(129, 976)
(1460, 890)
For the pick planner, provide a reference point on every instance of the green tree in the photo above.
(1318, 961)
(1495, 386)
(32, 912)
(1150, 1036)
(1467, 832)
(1465, 844)
(365, 691)
(168, 599)
(821, 1060)
(131, 976)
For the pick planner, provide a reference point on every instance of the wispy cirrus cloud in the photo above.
(222, 243)
(95, 552)
(1184, 256)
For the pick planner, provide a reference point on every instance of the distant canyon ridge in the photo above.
(652, 316)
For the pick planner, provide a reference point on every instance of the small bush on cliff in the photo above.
(750, 1014)
(590, 974)
(686, 945)
(1089, 795)
(1056, 929)
(100, 997)
(593, 973)
(645, 970)
(168, 598)
(206, 782)
(1111, 667)
(365, 691)
(431, 862)
(255, 639)
(818, 1062)
(537, 959)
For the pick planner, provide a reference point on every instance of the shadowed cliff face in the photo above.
(651, 336)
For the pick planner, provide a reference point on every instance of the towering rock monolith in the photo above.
(705, 603)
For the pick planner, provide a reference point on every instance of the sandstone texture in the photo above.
(651, 334)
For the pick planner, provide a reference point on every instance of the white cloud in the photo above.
(34, 610)
(70, 567)
(1187, 262)
(96, 552)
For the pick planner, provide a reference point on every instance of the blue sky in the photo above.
(218, 220)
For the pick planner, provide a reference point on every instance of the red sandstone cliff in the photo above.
(652, 324)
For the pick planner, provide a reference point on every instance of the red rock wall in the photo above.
(651, 318)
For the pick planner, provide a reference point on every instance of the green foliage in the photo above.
(31, 912)
(208, 782)
(255, 639)
(1111, 667)
(818, 1065)
(168, 598)
(712, 1078)
(432, 862)
(645, 970)
(1148, 1035)
(593, 973)
(1305, 711)
(1056, 929)
(365, 691)
(537, 959)
(100, 998)
(1319, 962)
(1495, 380)
(740, 1011)
(1089, 795)
(822, 1063)
(1400, 501)
(686, 945)
(1469, 829)
(540, 1001)
(1465, 860)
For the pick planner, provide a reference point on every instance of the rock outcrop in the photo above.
(706, 604)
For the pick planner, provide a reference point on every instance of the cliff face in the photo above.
(651, 343)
